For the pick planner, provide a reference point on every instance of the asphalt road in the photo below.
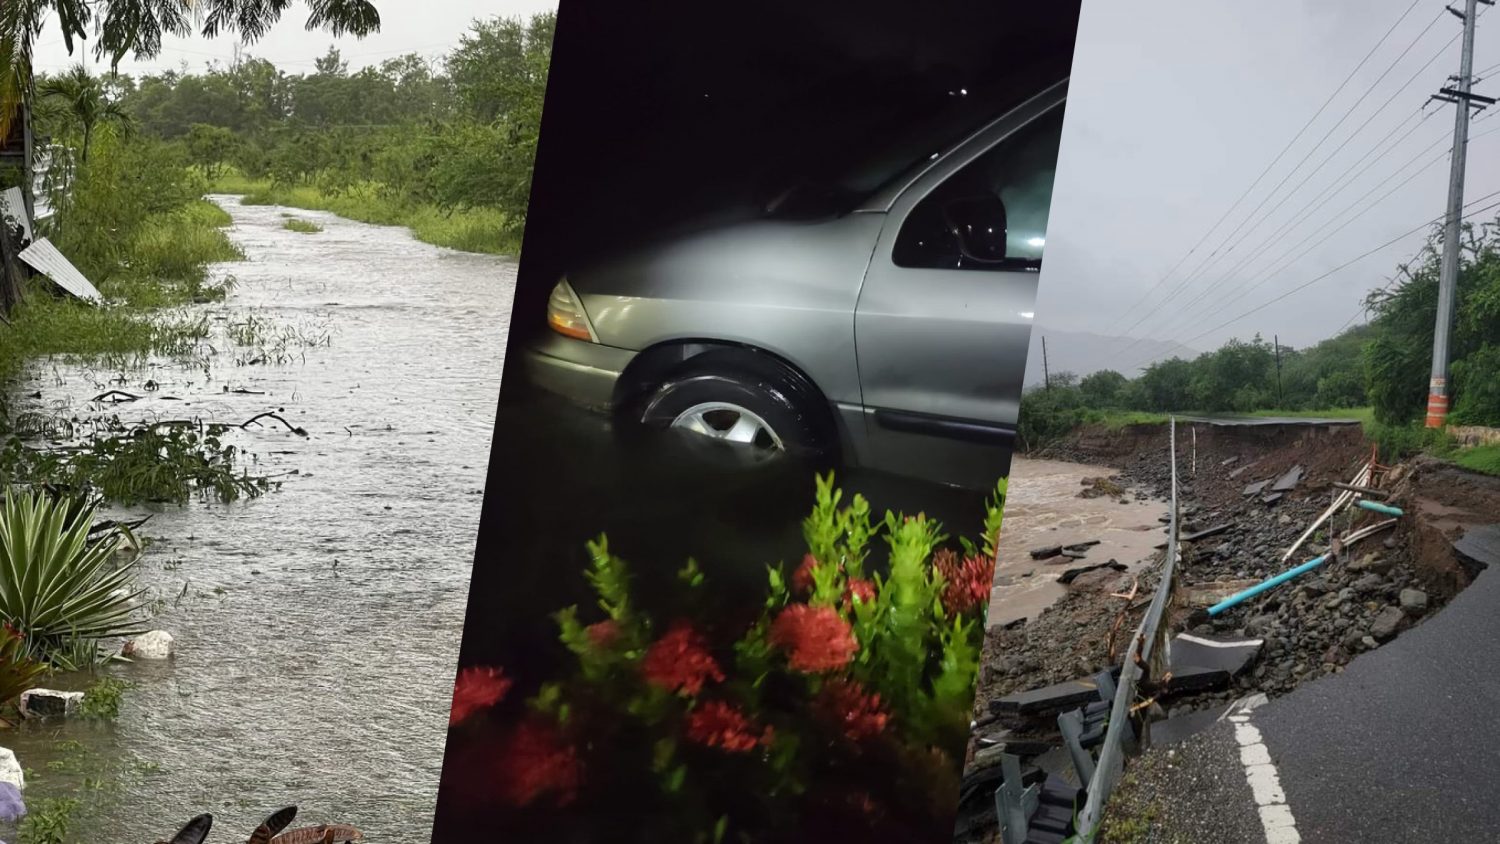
(1402, 746)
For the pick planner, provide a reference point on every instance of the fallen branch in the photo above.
(115, 397)
(272, 415)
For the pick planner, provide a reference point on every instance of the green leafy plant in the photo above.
(840, 698)
(102, 699)
(48, 821)
(56, 582)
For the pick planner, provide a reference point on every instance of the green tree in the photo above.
(211, 148)
(84, 106)
(1102, 389)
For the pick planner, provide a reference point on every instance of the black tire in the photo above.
(784, 400)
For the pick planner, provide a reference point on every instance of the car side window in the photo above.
(992, 214)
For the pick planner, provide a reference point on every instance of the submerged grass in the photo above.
(302, 226)
(471, 230)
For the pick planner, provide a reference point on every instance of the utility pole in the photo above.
(1277, 340)
(1463, 100)
(1046, 379)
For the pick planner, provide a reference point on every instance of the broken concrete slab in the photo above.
(1232, 656)
(1256, 488)
(1272, 498)
(1288, 481)
(1070, 575)
(49, 703)
(1207, 594)
(1237, 472)
(1057, 697)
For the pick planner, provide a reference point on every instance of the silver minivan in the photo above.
(891, 334)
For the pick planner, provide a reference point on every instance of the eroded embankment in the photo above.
(1313, 625)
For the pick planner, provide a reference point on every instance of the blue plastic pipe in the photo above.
(1380, 508)
(1258, 588)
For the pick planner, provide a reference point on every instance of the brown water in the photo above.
(317, 627)
(1043, 508)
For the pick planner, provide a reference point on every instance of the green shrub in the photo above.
(56, 582)
(1477, 387)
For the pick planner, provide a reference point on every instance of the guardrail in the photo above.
(1144, 658)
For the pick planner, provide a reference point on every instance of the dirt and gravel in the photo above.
(1311, 626)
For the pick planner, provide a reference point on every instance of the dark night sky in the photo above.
(671, 113)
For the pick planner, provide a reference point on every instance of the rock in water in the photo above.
(154, 645)
(12, 807)
(10, 770)
(49, 703)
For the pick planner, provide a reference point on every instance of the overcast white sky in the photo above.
(429, 27)
(1176, 107)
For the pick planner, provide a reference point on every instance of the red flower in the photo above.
(680, 661)
(863, 590)
(857, 713)
(476, 689)
(802, 578)
(815, 638)
(717, 724)
(604, 634)
(533, 761)
(966, 584)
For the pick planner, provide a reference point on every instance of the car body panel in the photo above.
(922, 368)
(788, 288)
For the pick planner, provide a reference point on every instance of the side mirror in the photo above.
(978, 224)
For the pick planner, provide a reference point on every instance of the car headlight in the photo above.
(565, 314)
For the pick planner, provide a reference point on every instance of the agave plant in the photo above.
(56, 583)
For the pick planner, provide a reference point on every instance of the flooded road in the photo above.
(317, 627)
(1044, 509)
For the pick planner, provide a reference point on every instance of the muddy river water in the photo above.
(317, 627)
(1043, 508)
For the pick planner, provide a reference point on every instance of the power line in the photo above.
(1272, 268)
(1314, 205)
(1228, 276)
(1271, 166)
(1181, 285)
(1344, 265)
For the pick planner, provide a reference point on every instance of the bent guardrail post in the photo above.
(1111, 764)
(1014, 805)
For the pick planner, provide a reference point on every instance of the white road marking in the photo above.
(1270, 801)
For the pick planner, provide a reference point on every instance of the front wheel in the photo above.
(753, 405)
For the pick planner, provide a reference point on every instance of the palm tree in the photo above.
(84, 105)
(136, 27)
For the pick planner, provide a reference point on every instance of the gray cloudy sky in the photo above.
(1176, 107)
(429, 27)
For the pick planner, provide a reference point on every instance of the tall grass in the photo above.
(1484, 458)
(471, 230)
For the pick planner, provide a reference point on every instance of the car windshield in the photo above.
(872, 152)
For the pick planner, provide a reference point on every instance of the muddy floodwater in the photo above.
(317, 627)
(1043, 508)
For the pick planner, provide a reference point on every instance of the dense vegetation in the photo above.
(1383, 365)
(444, 147)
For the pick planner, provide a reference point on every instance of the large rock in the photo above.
(1386, 623)
(1413, 601)
(10, 769)
(49, 703)
(156, 644)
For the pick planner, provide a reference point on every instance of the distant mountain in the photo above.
(1082, 353)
